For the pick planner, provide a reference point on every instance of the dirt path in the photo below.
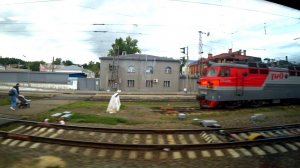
(36, 106)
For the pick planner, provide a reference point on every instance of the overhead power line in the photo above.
(245, 9)
(28, 2)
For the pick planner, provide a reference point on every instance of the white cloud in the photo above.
(64, 29)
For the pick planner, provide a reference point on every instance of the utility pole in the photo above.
(53, 64)
(115, 70)
(185, 50)
(201, 50)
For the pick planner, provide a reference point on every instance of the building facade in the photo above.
(139, 73)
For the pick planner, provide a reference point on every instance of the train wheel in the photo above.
(256, 103)
(232, 105)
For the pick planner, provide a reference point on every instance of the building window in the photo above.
(149, 70)
(149, 83)
(168, 70)
(131, 69)
(130, 83)
(167, 83)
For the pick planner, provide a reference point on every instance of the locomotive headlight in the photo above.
(213, 83)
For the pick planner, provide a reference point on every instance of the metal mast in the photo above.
(115, 71)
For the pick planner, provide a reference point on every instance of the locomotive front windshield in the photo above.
(211, 72)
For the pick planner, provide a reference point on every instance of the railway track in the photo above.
(153, 143)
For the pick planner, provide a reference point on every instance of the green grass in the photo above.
(81, 104)
(86, 118)
(4, 101)
(92, 118)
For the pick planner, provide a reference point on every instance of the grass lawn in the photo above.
(4, 101)
(149, 115)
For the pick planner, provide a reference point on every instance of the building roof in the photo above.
(234, 56)
(71, 67)
(140, 57)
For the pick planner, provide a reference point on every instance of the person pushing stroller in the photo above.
(13, 94)
(17, 100)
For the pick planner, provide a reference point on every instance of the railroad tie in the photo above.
(182, 139)
(14, 143)
(47, 132)
(205, 153)
(74, 150)
(17, 129)
(160, 139)
(271, 134)
(24, 143)
(59, 148)
(269, 149)
(193, 139)
(245, 151)
(297, 144)
(80, 132)
(171, 139)
(35, 145)
(149, 139)
(136, 139)
(6, 141)
(202, 134)
(60, 131)
(236, 137)
(191, 154)
(265, 135)
(280, 148)
(291, 146)
(133, 155)
(87, 152)
(112, 137)
(287, 132)
(163, 155)
(124, 138)
(92, 133)
(70, 132)
(102, 153)
(258, 151)
(102, 137)
(215, 138)
(117, 154)
(148, 155)
(218, 152)
(177, 155)
(233, 153)
(47, 146)
(244, 136)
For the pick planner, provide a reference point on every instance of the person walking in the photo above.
(13, 94)
(17, 88)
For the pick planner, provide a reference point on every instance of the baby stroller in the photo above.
(22, 102)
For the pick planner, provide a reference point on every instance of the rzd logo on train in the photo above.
(278, 76)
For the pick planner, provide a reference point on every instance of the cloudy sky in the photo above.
(35, 30)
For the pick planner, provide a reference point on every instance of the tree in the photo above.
(67, 63)
(129, 46)
(57, 61)
(95, 67)
(35, 65)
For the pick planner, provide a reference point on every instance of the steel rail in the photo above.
(90, 144)
(150, 131)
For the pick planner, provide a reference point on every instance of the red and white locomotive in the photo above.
(232, 85)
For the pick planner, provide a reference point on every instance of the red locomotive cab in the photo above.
(208, 82)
